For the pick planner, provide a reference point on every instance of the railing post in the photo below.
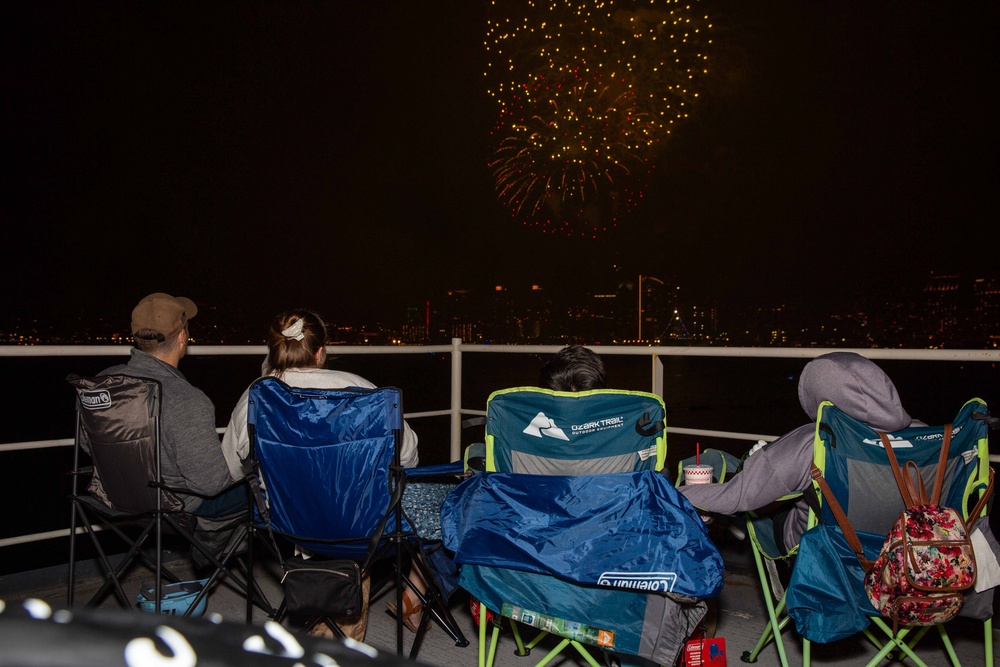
(657, 375)
(456, 399)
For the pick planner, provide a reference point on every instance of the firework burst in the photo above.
(587, 93)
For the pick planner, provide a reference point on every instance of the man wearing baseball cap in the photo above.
(193, 457)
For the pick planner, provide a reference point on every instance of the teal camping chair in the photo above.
(825, 597)
(572, 529)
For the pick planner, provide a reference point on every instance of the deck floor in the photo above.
(741, 616)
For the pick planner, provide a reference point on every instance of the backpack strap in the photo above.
(942, 466)
(914, 493)
(838, 513)
(917, 490)
(904, 483)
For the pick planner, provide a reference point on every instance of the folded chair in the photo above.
(117, 428)
(326, 462)
(574, 530)
(826, 596)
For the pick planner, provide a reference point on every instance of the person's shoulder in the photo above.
(791, 449)
(324, 378)
(117, 369)
(798, 435)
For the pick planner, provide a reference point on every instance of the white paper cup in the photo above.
(698, 474)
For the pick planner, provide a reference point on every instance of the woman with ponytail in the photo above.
(296, 355)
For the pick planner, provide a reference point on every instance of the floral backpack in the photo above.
(927, 559)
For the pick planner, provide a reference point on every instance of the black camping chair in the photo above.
(117, 428)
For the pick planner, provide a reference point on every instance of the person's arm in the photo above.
(778, 469)
(409, 457)
(189, 425)
(236, 440)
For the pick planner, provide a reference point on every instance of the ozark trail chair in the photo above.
(573, 530)
(327, 465)
(117, 428)
(826, 596)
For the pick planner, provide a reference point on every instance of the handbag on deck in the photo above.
(318, 587)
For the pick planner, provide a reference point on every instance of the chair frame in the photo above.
(488, 643)
(382, 544)
(774, 601)
(905, 638)
(88, 510)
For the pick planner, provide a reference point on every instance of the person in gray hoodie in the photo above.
(855, 385)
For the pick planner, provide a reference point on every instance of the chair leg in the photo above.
(72, 553)
(988, 640)
(946, 640)
(553, 653)
(251, 534)
(113, 574)
(433, 601)
(896, 640)
(582, 650)
(774, 627)
(484, 659)
(221, 565)
(434, 604)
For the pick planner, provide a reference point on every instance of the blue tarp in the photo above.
(625, 530)
(615, 560)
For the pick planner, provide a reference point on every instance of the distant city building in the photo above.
(949, 311)
(986, 310)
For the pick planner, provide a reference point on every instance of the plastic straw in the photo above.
(697, 453)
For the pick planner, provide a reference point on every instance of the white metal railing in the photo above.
(457, 349)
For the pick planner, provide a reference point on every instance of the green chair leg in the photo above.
(988, 640)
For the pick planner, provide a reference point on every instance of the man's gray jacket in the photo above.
(191, 452)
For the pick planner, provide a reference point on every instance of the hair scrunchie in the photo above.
(294, 331)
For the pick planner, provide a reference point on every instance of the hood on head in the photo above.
(855, 385)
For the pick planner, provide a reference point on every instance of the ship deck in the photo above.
(37, 466)
(740, 613)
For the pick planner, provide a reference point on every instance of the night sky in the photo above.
(259, 156)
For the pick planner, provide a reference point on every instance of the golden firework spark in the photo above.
(587, 93)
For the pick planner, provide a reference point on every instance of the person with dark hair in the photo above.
(573, 368)
(193, 458)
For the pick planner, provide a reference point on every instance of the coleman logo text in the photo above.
(95, 400)
(641, 581)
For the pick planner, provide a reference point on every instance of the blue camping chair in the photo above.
(327, 463)
(826, 598)
(574, 531)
